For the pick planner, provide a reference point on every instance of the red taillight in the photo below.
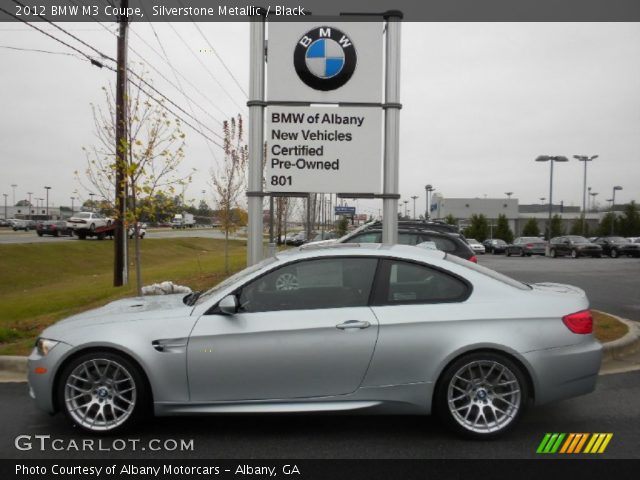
(473, 259)
(529, 245)
(579, 322)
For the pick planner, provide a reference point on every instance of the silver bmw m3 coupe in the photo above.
(346, 327)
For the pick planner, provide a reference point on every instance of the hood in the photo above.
(125, 310)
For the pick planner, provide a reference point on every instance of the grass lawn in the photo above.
(41, 283)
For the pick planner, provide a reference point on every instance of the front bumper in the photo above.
(565, 372)
(41, 384)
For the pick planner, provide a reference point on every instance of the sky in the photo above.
(480, 102)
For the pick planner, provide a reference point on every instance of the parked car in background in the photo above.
(616, 246)
(142, 230)
(4, 223)
(452, 243)
(22, 224)
(495, 245)
(298, 239)
(526, 246)
(88, 221)
(325, 236)
(362, 329)
(476, 246)
(53, 227)
(575, 246)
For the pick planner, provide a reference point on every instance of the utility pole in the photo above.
(120, 276)
(414, 197)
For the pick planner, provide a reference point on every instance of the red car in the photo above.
(53, 227)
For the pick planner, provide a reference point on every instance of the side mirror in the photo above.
(228, 305)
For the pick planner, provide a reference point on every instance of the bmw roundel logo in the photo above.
(325, 58)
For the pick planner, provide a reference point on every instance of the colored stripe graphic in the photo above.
(573, 443)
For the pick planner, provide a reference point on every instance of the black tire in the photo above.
(56, 234)
(39, 234)
(136, 401)
(92, 227)
(507, 252)
(522, 254)
(450, 413)
(553, 253)
(614, 253)
(574, 253)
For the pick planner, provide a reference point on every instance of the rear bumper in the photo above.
(565, 372)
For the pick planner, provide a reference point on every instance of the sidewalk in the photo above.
(619, 356)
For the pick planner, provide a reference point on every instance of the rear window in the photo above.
(488, 272)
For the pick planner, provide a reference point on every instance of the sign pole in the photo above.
(391, 129)
(256, 140)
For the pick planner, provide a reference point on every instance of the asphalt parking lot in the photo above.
(612, 285)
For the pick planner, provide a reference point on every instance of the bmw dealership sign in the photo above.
(332, 148)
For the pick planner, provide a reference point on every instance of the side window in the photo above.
(370, 237)
(312, 284)
(405, 282)
(442, 243)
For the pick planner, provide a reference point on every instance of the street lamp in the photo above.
(585, 159)
(414, 205)
(508, 194)
(429, 189)
(551, 159)
(542, 199)
(47, 189)
(29, 193)
(613, 202)
(72, 199)
(593, 200)
(93, 207)
(405, 208)
(5, 205)
(13, 186)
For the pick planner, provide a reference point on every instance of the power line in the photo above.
(40, 51)
(98, 64)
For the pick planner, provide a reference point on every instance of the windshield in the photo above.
(488, 272)
(84, 215)
(617, 240)
(236, 277)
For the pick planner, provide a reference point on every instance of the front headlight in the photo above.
(44, 346)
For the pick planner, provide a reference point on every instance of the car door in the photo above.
(302, 330)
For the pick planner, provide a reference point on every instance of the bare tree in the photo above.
(155, 150)
(229, 179)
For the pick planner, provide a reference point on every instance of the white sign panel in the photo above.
(325, 63)
(329, 150)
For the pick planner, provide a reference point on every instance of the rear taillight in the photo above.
(579, 322)
(529, 245)
(473, 259)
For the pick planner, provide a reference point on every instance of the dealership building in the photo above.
(517, 215)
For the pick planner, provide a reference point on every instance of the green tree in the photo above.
(580, 227)
(451, 220)
(557, 228)
(629, 222)
(342, 226)
(502, 230)
(478, 229)
(531, 228)
(604, 228)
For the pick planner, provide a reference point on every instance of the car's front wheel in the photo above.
(614, 253)
(102, 392)
(481, 395)
(574, 253)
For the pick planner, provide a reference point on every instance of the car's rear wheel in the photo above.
(481, 395)
(614, 253)
(102, 392)
(574, 253)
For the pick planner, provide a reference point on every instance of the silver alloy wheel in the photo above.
(100, 394)
(287, 281)
(484, 396)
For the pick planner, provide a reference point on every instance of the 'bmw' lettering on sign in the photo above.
(325, 58)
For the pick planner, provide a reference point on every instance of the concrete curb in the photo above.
(626, 345)
(14, 368)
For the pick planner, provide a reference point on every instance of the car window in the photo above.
(369, 237)
(442, 243)
(406, 282)
(311, 284)
(488, 272)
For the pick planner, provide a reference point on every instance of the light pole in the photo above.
(93, 207)
(508, 194)
(47, 189)
(72, 199)
(613, 202)
(542, 199)
(5, 205)
(551, 159)
(13, 187)
(585, 159)
(29, 193)
(405, 208)
(414, 197)
(428, 189)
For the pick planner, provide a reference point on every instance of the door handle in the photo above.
(353, 324)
